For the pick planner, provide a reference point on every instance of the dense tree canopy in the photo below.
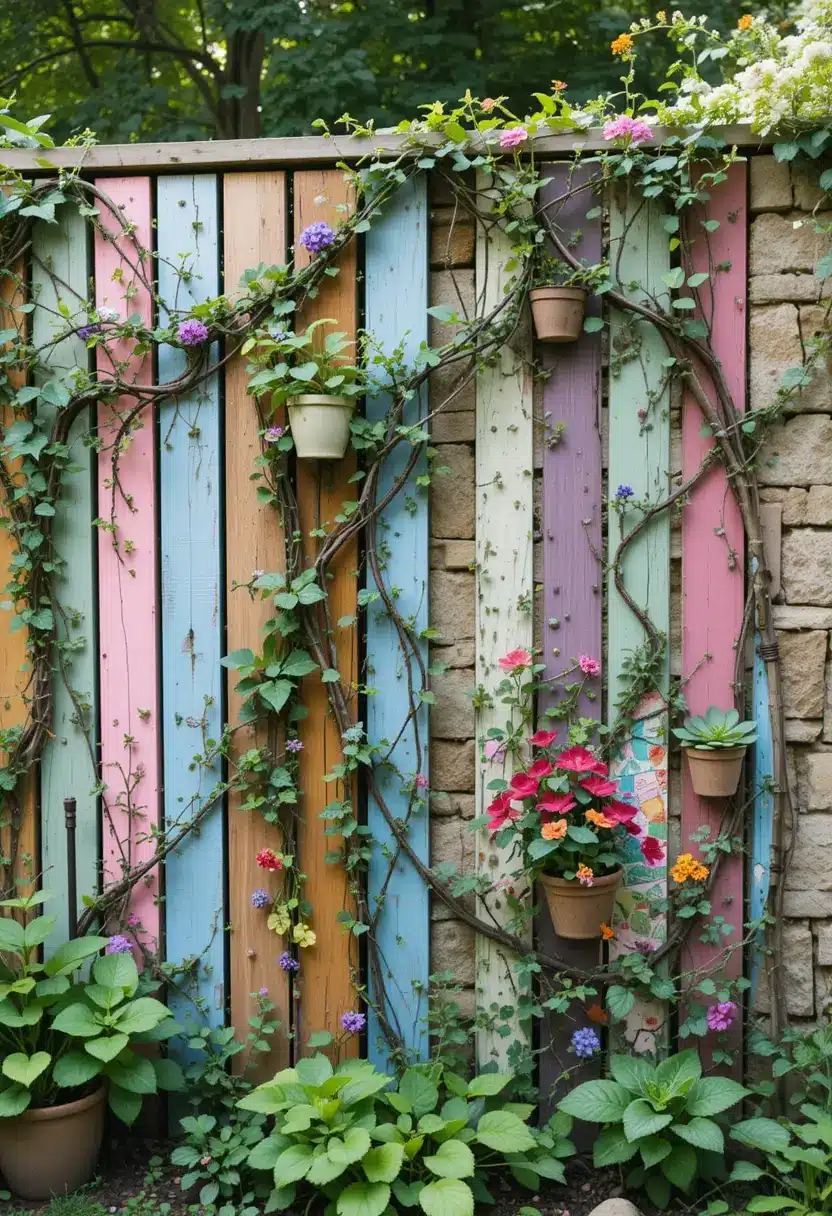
(190, 69)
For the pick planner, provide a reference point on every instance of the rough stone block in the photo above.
(452, 841)
(816, 904)
(771, 186)
(459, 806)
(819, 506)
(777, 244)
(450, 388)
(802, 730)
(807, 192)
(453, 495)
(799, 288)
(789, 616)
(452, 765)
(818, 797)
(458, 654)
(452, 717)
(807, 566)
(795, 972)
(453, 604)
(795, 504)
(459, 554)
(827, 712)
(818, 394)
(454, 288)
(824, 945)
(452, 949)
(803, 656)
(774, 345)
(452, 238)
(454, 426)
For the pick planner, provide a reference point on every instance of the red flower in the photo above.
(599, 787)
(269, 860)
(541, 769)
(621, 812)
(523, 785)
(502, 812)
(556, 804)
(652, 851)
(579, 760)
(543, 738)
(515, 660)
(632, 828)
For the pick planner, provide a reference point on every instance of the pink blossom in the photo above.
(556, 804)
(513, 136)
(634, 130)
(515, 660)
(599, 787)
(495, 749)
(721, 1016)
(488, 104)
(541, 769)
(543, 738)
(421, 781)
(652, 850)
(579, 760)
(524, 785)
(502, 812)
(589, 666)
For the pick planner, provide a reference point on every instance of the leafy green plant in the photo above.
(368, 1143)
(718, 729)
(798, 1159)
(213, 1155)
(805, 1058)
(286, 365)
(661, 1114)
(60, 1033)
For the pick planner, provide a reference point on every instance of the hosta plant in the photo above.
(798, 1162)
(61, 1034)
(718, 729)
(658, 1117)
(286, 364)
(368, 1144)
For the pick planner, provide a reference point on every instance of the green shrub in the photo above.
(798, 1159)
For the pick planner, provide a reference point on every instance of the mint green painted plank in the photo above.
(639, 457)
(59, 276)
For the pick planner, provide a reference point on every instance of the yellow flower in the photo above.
(303, 935)
(688, 867)
(661, 15)
(279, 920)
(607, 932)
(622, 45)
(745, 22)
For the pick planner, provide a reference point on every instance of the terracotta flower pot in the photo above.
(577, 911)
(52, 1150)
(320, 425)
(715, 774)
(558, 313)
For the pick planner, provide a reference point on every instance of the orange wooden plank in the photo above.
(19, 835)
(255, 232)
(325, 975)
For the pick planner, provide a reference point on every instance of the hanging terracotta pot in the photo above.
(715, 774)
(558, 313)
(578, 911)
(52, 1150)
(320, 425)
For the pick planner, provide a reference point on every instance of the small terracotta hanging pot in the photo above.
(558, 313)
(52, 1150)
(320, 425)
(715, 774)
(578, 911)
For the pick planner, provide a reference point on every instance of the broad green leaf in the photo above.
(36, 933)
(746, 1171)
(679, 1167)
(421, 1093)
(504, 1132)
(447, 1197)
(169, 1075)
(26, 1069)
(701, 1133)
(75, 1068)
(712, 1095)
(363, 1199)
(265, 1154)
(612, 1148)
(313, 1071)
(323, 1170)
(774, 1203)
(117, 971)
(453, 1159)
(620, 1001)
(487, 1084)
(124, 1104)
(293, 1164)
(355, 1144)
(632, 1072)
(382, 1164)
(597, 1102)
(407, 1193)
(640, 1119)
(678, 1073)
(78, 1020)
(281, 1198)
(72, 954)
(764, 1134)
(13, 1101)
(133, 1073)
(11, 936)
(142, 1014)
(654, 1149)
(107, 1047)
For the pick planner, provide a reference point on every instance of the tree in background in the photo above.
(158, 69)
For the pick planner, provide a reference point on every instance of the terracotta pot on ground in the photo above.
(54, 1149)
(577, 911)
(715, 774)
(558, 313)
(320, 425)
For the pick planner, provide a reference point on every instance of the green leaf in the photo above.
(323, 1170)
(363, 1199)
(37, 932)
(13, 1101)
(313, 1070)
(78, 1020)
(678, 1073)
(620, 1001)
(72, 954)
(701, 1133)
(487, 1084)
(746, 1171)
(654, 1149)
(640, 1119)
(500, 1130)
(407, 1193)
(293, 1164)
(355, 1144)
(712, 1095)
(593, 324)
(597, 1102)
(453, 1159)
(124, 1104)
(117, 971)
(764, 1134)
(680, 1166)
(265, 1154)
(276, 693)
(785, 150)
(26, 1069)
(421, 1093)
(133, 1073)
(11, 936)
(75, 1068)
(169, 1075)
(447, 1197)
(107, 1047)
(382, 1164)
(143, 1014)
(774, 1203)
(632, 1072)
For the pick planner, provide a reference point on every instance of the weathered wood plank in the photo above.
(326, 987)
(254, 212)
(397, 299)
(505, 588)
(189, 488)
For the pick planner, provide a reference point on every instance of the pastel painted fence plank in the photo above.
(190, 488)
(763, 818)
(127, 561)
(397, 299)
(504, 622)
(322, 487)
(254, 209)
(572, 553)
(68, 767)
(639, 458)
(713, 584)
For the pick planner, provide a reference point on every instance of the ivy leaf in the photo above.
(620, 1001)
(276, 693)
(786, 150)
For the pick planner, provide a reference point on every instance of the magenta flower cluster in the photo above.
(634, 130)
(192, 332)
(721, 1016)
(294, 745)
(317, 236)
(273, 434)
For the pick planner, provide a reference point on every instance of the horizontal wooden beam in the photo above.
(300, 150)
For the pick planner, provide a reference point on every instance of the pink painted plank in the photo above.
(713, 577)
(572, 574)
(127, 570)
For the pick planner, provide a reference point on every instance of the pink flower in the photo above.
(421, 781)
(721, 1016)
(513, 136)
(515, 660)
(634, 130)
(488, 104)
(556, 804)
(523, 785)
(541, 769)
(543, 738)
(579, 760)
(599, 787)
(495, 749)
(502, 812)
(590, 667)
(652, 851)
(621, 812)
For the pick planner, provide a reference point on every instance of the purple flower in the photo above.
(263, 991)
(644, 946)
(273, 434)
(317, 237)
(585, 1043)
(294, 745)
(118, 944)
(287, 963)
(260, 898)
(87, 331)
(634, 130)
(353, 1022)
(721, 1016)
(624, 492)
(192, 333)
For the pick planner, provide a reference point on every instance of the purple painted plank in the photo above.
(572, 573)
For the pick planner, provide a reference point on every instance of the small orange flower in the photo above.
(555, 830)
(599, 819)
(607, 931)
(596, 1014)
(558, 86)
(688, 867)
(622, 45)
(745, 22)
(584, 875)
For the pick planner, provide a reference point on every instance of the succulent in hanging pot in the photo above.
(557, 298)
(309, 373)
(715, 746)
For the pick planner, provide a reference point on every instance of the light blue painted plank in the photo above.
(397, 299)
(59, 277)
(763, 806)
(190, 476)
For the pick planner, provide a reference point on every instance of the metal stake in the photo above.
(71, 888)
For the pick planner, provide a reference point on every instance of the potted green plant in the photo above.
(715, 747)
(65, 1050)
(558, 299)
(309, 373)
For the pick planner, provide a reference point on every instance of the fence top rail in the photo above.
(304, 149)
